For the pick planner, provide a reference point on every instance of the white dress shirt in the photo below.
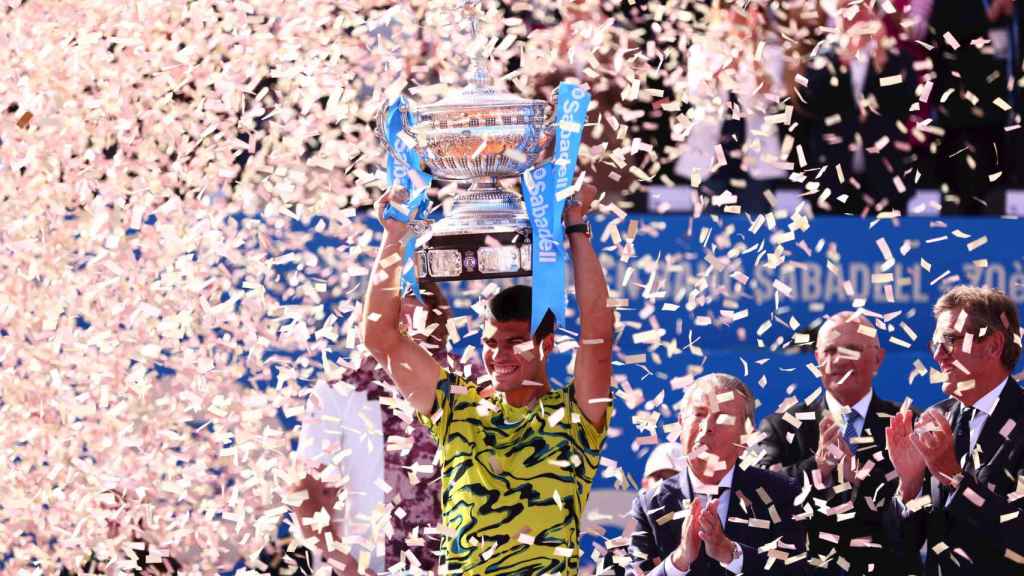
(983, 408)
(343, 431)
(861, 408)
(692, 488)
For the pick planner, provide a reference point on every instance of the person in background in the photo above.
(731, 153)
(858, 97)
(360, 428)
(977, 56)
(841, 450)
(961, 463)
(665, 461)
(717, 517)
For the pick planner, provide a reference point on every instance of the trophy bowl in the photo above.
(478, 135)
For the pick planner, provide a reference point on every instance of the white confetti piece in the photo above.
(556, 417)
(890, 80)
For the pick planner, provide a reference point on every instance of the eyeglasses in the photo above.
(951, 342)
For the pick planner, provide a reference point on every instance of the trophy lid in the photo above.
(478, 96)
(479, 91)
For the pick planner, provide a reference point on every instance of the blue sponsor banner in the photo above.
(404, 171)
(544, 192)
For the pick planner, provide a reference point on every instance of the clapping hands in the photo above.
(703, 526)
(833, 449)
(914, 447)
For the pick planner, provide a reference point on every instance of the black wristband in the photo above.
(583, 228)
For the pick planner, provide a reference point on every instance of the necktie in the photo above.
(734, 134)
(962, 434)
(850, 432)
(707, 494)
(705, 498)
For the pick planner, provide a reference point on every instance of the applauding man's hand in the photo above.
(689, 544)
(718, 545)
(933, 439)
(832, 449)
(905, 458)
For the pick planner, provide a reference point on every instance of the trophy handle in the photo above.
(547, 130)
(382, 117)
(549, 121)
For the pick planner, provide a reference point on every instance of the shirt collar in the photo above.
(987, 403)
(698, 487)
(860, 407)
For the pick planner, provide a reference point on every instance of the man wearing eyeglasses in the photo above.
(960, 465)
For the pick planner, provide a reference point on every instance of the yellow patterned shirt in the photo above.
(514, 480)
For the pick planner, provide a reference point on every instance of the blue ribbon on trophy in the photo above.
(545, 189)
(404, 172)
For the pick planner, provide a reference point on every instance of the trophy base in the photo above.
(476, 256)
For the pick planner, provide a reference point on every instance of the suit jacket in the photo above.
(867, 501)
(966, 68)
(985, 517)
(836, 124)
(656, 536)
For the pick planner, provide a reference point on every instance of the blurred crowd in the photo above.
(857, 104)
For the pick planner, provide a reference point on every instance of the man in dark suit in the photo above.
(838, 439)
(976, 56)
(858, 146)
(960, 465)
(715, 517)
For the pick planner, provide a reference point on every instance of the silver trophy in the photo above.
(478, 135)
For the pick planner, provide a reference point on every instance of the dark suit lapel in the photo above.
(684, 492)
(991, 442)
(672, 498)
(667, 501)
(741, 483)
(940, 523)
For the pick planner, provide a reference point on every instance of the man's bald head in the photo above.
(849, 317)
(848, 354)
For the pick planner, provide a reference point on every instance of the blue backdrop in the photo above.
(737, 296)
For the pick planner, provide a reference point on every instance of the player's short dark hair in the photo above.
(516, 303)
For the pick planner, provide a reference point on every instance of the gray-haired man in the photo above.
(716, 517)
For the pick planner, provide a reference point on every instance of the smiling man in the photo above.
(844, 445)
(716, 518)
(961, 465)
(517, 459)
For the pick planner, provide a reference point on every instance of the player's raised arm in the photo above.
(597, 323)
(412, 368)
